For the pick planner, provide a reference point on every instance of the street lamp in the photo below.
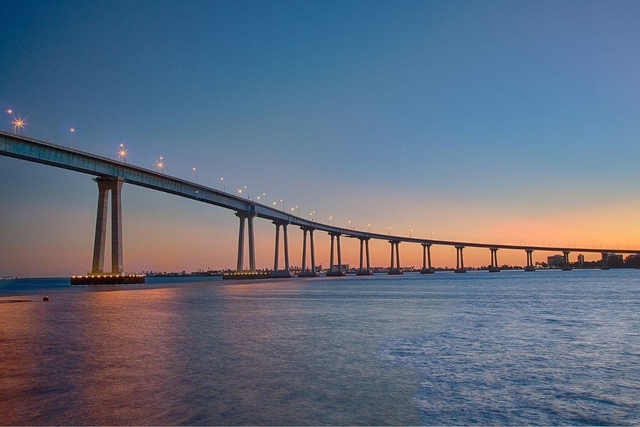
(160, 165)
(196, 171)
(75, 140)
(122, 153)
(389, 231)
(331, 219)
(410, 231)
(369, 225)
(245, 187)
(224, 186)
(18, 123)
(281, 201)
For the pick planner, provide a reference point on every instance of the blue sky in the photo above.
(483, 120)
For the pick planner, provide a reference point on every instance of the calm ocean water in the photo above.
(514, 348)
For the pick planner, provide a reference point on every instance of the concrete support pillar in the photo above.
(276, 272)
(252, 246)
(240, 263)
(275, 258)
(567, 264)
(459, 260)
(306, 271)
(493, 267)
(105, 185)
(332, 252)
(395, 249)
(304, 251)
(116, 227)
(392, 259)
(313, 253)
(339, 253)
(286, 247)
(248, 217)
(99, 244)
(426, 259)
(605, 261)
(335, 271)
(530, 266)
(364, 243)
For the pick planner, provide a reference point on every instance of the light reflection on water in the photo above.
(512, 348)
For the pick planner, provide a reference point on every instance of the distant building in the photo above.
(555, 261)
(580, 260)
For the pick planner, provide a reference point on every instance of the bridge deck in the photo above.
(33, 150)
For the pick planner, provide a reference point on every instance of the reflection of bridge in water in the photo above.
(111, 175)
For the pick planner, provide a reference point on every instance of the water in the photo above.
(514, 348)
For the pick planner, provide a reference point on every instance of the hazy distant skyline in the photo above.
(490, 121)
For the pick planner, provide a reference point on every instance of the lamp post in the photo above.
(160, 165)
(369, 225)
(72, 131)
(122, 153)
(282, 202)
(196, 171)
(224, 186)
(18, 123)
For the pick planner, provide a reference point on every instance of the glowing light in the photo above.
(160, 165)
(75, 140)
(122, 153)
(18, 124)
(10, 111)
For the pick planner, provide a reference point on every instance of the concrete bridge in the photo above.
(110, 175)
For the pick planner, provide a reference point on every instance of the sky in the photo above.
(490, 121)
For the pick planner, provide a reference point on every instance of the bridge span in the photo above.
(110, 175)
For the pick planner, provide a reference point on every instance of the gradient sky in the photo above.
(507, 121)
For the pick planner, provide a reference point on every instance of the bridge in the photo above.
(110, 175)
